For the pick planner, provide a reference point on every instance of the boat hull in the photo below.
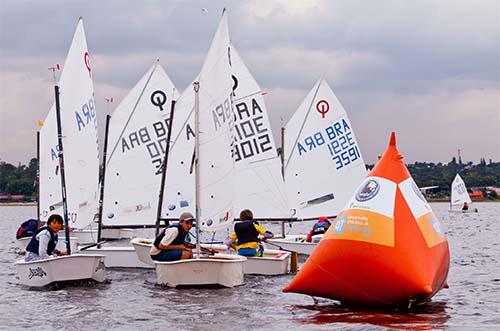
(274, 262)
(59, 269)
(118, 257)
(221, 269)
(293, 243)
(61, 245)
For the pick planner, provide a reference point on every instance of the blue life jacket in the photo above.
(246, 232)
(34, 243)
(27, 229)
(182, 236)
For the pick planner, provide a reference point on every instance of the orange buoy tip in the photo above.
(392, 142)
(428, 289)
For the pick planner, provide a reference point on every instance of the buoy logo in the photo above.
(435, 225)
(368, 191)
(417, 191)
(339, 226)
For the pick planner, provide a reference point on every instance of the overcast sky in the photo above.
(429, 70)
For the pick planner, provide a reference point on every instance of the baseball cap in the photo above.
(186, 216)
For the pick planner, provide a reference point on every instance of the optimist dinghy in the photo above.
(460, 196)
(137, 139)
(73, 179)
(214, 170)
(323, 162)
(385, 248)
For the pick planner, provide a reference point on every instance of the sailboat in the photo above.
(71, 120)
(257, 169)
(213, 168)
(460, 196)
(136, 139)
(323, 164)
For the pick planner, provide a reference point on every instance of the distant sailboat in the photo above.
(68, 178)
(460, 197)
(323, 162)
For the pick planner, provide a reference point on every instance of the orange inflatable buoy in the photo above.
(385, 248)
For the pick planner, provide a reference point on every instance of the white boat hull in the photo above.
(118, 233)
(459, 211)
(119, 257)
(293, 243)
(62, 268)
(89, 236)
(61, 245)
(221, 269)
(142, 248)
(274, 262)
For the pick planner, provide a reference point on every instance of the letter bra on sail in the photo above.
(385, 248)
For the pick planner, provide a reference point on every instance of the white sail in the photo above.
(178, 194)
(259, 182)
(459, 193)
(323, 161)
(79, 128)
(137, 141)
(216, 126)
(50, 180)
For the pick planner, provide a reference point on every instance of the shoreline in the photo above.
(4, 204)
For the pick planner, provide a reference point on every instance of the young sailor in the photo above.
(245, 238)
(172, 243)
(465, 206)
(319, 227)
(43, 243)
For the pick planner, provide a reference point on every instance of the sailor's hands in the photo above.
(62, 253)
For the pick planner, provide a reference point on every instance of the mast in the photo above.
(283, 152)
(38, 175)
(164, 169)
(103, 177)
(61, 169)
(196, 163)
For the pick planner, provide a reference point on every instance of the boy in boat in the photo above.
(28, 228)
(319, 227)
(245, 238)
(465, 206)
(172, 243)
(43, 243)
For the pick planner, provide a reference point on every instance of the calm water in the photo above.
(131, 300)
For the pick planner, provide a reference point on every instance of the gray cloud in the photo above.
(412, 67)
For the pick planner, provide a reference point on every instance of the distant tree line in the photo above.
(21, 179)
(18, 180)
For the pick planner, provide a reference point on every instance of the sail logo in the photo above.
(339, 226)
(158, 99)
(323, 107)
(86, 60)
(37, 272)
(369, 190)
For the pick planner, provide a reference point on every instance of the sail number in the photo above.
(339, 140)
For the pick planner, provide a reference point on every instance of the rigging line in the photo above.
(303, 123)
(248, 95)
(133, 110)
